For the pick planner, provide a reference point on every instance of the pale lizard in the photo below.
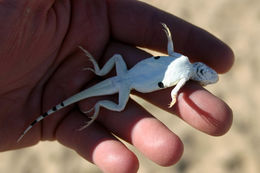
(146, 76)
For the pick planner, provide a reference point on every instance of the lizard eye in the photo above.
(157, 57)
(160, 84)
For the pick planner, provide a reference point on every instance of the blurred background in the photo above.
(236, 22)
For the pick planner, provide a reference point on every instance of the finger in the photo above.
(195, 105)
(138, 127)
(140, 25)
(96, 145)
(146, 133)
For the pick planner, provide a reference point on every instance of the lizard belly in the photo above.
(146, 82)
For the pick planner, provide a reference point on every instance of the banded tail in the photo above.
(73, 99)
(101, 88)
(49, 112)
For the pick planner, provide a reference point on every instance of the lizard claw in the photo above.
(90, 69)
(172, 102)
(87, 124)
(84, 126)
(88, 111)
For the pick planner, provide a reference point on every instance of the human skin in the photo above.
(40, 65)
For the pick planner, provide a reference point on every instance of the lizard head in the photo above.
(204, 74)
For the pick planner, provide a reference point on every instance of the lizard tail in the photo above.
(96, 90)
(49, 112)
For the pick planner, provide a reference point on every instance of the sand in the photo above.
(236, 22)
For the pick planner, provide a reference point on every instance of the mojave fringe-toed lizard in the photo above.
(146, 76)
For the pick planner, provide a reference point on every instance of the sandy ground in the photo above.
(237, 22)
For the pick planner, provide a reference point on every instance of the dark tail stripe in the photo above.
(34, 122)
(45, 114)
(54, 108)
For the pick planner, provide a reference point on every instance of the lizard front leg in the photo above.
(170, 47)
(175, 91)
(124, 92)
(116, 60)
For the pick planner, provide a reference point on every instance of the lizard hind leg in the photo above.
(110, 105)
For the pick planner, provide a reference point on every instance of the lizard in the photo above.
(151, 74)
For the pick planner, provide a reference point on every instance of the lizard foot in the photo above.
(92, 118)
(91, 59)
(172, 102)
(166, 30)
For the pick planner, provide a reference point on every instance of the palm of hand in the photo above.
(35, 45)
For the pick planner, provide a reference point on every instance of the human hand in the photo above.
(40, 66)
